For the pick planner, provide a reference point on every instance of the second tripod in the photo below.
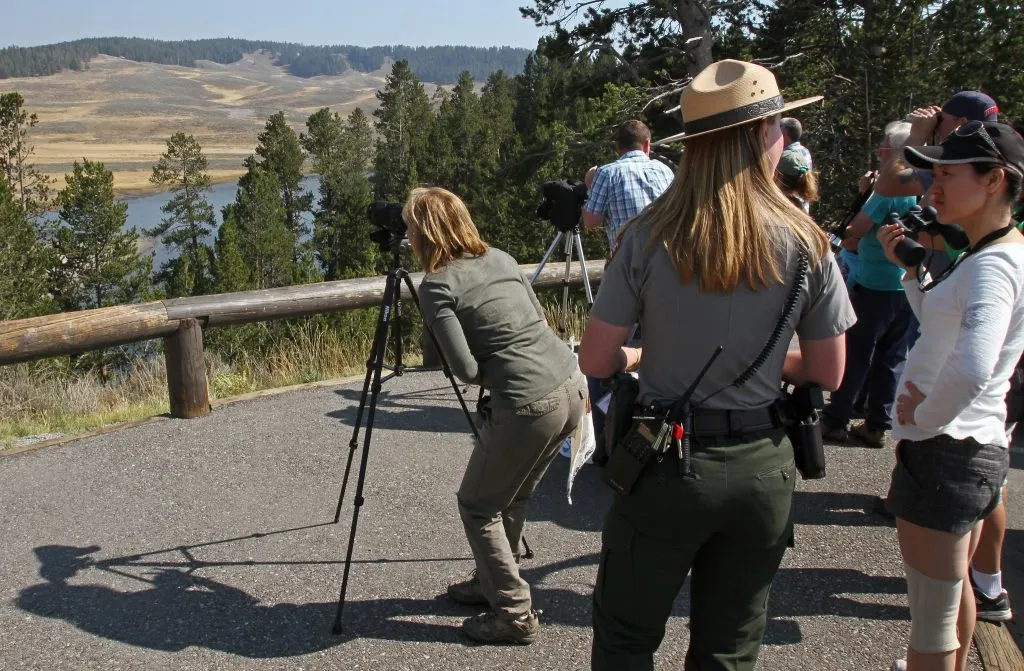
(388, 323)
(573, 243)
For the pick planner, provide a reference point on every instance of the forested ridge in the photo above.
(440, 64)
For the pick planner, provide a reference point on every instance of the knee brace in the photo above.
(934, 605)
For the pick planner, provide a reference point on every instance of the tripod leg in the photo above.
(565, 287)
(444, 361)
(547, 255)
(397, 323)
(378, 365)
(583, 268)
(376, 353)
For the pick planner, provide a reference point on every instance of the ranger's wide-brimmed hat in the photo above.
(730, 93)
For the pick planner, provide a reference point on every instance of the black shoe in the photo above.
(993, 610)
(879, 507)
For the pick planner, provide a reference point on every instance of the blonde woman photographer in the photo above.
(492, 331)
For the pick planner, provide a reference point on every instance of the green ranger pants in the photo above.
(730, 525)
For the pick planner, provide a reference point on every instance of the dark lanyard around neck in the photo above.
(984, 242)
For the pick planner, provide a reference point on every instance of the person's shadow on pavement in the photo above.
(178, 609)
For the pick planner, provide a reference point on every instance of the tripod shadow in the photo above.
(405, 411)
(176, 609)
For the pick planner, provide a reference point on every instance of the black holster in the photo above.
(800, 412)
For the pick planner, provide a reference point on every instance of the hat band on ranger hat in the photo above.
(755, 110)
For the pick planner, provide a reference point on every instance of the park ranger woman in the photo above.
(711, 263)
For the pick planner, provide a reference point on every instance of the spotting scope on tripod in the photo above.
(562, 206)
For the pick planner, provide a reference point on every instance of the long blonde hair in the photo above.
(445, 229)
(716, 218)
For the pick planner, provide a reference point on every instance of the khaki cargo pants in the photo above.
(516, 448)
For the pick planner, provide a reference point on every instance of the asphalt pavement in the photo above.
(209, 544)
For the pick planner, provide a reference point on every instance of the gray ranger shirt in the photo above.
(683, 325)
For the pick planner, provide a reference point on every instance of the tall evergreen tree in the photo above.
(30, 187)
(100, 263)
(24, 262)
(230, 271)
(453, 140)
(190, 217)
(404, 120)
(280, 152)
(341, 151)
(264, 241)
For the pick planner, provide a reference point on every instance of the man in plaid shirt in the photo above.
(621, 190)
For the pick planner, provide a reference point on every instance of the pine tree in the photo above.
(341, 152)
(190, 217)
(230, 270)
(280, 152)
(30, 188)
(404, 120)
(100, 261)
(454, 138)
(24, 262)
(265, 243)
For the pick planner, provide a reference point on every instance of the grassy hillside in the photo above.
(121, 112)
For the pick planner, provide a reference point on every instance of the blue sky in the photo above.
(358, 22)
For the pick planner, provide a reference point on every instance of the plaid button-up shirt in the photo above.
(621, 190)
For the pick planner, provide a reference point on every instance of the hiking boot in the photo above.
(491, 627)
(833, 433)
(871, 437)
(468, 592)
(993, 610)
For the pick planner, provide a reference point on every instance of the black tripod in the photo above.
(389, 321)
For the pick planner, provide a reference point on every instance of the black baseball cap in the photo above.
(973, 142)
(973, 106)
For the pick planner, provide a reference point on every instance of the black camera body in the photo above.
(916, 221)
(563, 203)
(389, 227)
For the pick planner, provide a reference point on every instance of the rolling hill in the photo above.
(121, 112)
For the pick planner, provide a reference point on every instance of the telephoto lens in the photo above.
(908, 250)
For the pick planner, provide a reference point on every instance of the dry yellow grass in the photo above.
(122, 113)
(46, 399)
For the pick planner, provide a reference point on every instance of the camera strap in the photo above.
(984, 242)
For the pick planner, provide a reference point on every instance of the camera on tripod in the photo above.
(916, 221)
(563, 203)
(389, 227)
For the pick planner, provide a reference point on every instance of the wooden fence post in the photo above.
(186, 371)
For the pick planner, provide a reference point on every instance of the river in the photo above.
(144, 213)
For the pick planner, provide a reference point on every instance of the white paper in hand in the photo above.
(583, 444)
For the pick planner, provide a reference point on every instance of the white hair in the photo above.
(897, 132)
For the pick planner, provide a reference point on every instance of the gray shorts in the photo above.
(946, 484)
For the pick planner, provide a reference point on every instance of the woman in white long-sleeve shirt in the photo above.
(952, 456)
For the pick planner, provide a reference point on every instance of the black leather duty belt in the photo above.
(732, 423)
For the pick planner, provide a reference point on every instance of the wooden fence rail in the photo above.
(181, 320)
